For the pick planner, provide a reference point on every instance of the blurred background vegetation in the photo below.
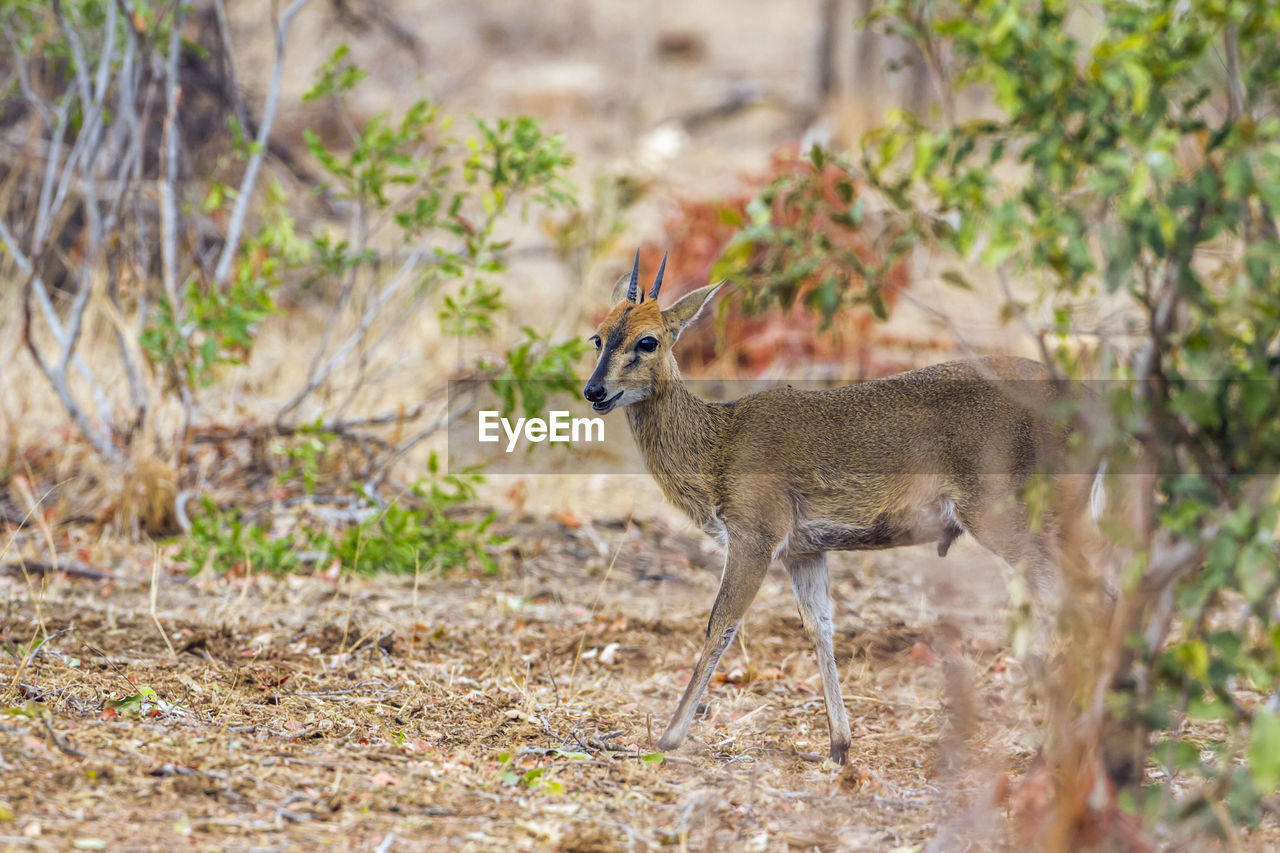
(246, 248)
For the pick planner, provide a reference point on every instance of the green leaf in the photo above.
(653, 759)
(955, 279)
(1264, 750)
(573, 756)
(730, 216)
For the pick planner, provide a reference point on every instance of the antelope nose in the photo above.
(594, 392)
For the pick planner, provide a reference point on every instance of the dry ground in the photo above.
(310, 710)
(372, 713)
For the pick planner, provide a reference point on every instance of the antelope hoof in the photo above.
(668, 742)
(839, 752)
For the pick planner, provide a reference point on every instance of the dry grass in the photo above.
(371, 713)
(316, 710)
(303, 711)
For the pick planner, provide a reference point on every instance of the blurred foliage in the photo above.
(221, 540)
(440, 196)
(804, 238)
(424, 530)
(535, 368)
(1133, 153)
(216, 326)
(427, 536)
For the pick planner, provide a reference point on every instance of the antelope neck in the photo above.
(677, 433)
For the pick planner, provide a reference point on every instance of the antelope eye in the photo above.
(647, 344)
(595, 339)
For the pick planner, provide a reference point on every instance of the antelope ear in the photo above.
(688, 307)
(620, 290)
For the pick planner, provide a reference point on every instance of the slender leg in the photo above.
(813, 596)
(744, 569)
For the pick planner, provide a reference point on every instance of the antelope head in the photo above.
(634, 341)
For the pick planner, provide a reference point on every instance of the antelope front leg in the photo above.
(743, 572)
(813, 595)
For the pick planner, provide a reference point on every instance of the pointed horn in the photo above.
(635, 279)
(657, 282)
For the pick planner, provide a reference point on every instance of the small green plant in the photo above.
(146, 703)
(223, 541)
(306, 450)
(29, 710)
(213, 326)
(534, 779)
(404, 538)
(24, 653)
(471, 312)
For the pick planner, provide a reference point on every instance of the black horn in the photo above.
(657, 282)
(635, 279)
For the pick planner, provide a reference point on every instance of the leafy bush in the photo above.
(426, 530)
(804, 237)
(221, 540)
(231, 243)
(427, 537)
(1131, 156)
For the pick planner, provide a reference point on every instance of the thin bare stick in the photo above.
(353, 340)
(168, 193)
(24, 79)
(55, 327)
(45, 567)
(1235, 85)
(233, 83)
(360, 231)
(58, 381)
(27, 266)
(155, 588)
(236, 226)
(43, 207)
(1018, 308)
(408, 444)
(216, 434)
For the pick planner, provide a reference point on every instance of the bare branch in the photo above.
(343, 352)
(24, 79)
(137, 388)
(443, 422)
(69, 568)
(1021, 311)
(168, 193)
(1235, 85)
(241, 210)
(43, 208)
(36, 284)
(345, 427)
(359, 229)
(224, 35)
(58, 381)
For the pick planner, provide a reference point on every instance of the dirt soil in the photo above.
(515, 711)
(511, 712)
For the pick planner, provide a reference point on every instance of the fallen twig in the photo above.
(41, 567)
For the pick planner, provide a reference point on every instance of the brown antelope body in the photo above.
(784, 474)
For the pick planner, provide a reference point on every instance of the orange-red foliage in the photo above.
(697, 233)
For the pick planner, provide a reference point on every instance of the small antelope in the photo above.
(789, 475)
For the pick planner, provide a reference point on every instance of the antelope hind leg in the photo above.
(809, 582)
